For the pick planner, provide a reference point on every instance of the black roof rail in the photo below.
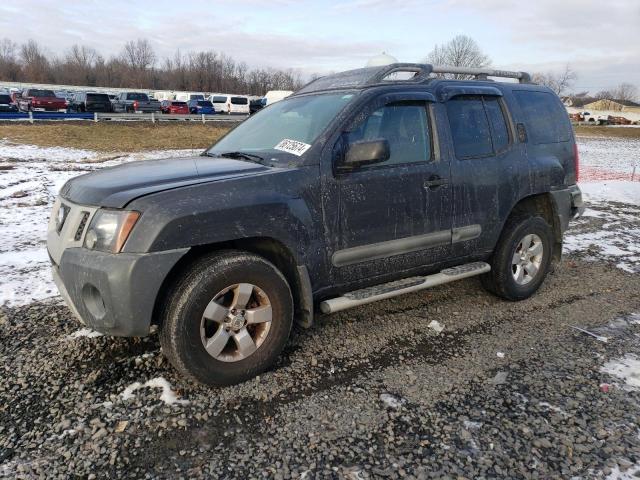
(363, 77)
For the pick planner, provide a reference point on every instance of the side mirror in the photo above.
(366, 152)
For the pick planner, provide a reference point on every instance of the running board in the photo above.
(400, 287)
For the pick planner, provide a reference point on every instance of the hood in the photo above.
(116, 186)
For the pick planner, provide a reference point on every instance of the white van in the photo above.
(273, 96)
(186, 96)
(164, 95)
(224, 103)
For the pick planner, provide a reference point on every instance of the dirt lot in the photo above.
(505, 390)
(115, 137)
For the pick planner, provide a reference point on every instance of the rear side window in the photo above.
(239, 100)
(204, 103)
(469, 127)
(219, 99)
(5, 99)
(404, 126)
(546, 119)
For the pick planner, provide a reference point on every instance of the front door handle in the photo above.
(435, 182)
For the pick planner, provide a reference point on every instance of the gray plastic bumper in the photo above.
(568, 205)
(113, 294)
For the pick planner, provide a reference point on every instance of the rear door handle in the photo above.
(434, 183)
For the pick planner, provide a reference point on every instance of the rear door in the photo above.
(386, 218)
(486, 167)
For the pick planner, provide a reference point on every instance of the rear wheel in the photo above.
(521, 259)
(227, 319)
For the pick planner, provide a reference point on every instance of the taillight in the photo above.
(135, 104)
(576, 161)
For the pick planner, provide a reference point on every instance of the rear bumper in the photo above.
(568, 205)
(114, 294)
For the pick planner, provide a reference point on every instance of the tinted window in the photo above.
(546, 118)
(239, 100)
(469, 127)
(204, 103)
(5, 99)
(138, 96)
(498, 123)
(98, 97)
(219, 99)
(179, 104)
(404, 126)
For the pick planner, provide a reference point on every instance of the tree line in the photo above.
(138, 66)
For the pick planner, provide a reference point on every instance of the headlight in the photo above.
(109, 230)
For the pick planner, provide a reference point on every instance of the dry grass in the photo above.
(115, 137)
(618, 132)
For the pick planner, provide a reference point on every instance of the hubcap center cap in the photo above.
(236, 322)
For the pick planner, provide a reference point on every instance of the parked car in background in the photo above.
(41, 100)
(188, 96)
(15, 96)
(82, 102)
(201, 107)
(135, 102)
(230, 103)
(175, 107)
(6, 104)
(256, 105)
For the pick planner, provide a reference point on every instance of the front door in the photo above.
(389, 217)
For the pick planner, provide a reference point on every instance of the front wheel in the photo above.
(521, 259)
(227, 319)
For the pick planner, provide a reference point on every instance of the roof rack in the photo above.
(362, 77)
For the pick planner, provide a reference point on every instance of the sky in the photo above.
(598, 39)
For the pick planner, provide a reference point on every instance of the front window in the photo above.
(297, 119)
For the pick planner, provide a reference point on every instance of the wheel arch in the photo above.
(269, 248)
(544, 205)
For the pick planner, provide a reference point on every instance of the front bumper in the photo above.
(114, 294)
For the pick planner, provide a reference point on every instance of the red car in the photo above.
(41, 100)
(171, 106)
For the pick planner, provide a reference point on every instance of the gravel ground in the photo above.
(504, 390)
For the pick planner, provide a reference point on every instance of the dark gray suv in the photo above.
(359, 187)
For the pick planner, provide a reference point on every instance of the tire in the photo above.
(184, 331)
(511, 275)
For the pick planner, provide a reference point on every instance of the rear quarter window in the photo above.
(545, 117)
(239, 100)
(219, 99)
(469, 127)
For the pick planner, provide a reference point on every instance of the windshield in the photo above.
(98, 97)
(297, 119)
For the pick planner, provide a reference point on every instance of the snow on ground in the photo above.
(30, 178)
(610, 228)
(168, 396)
(609, 158)
(626, 369)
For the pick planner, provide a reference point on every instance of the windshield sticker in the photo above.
(292, 146)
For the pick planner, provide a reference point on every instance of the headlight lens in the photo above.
(109, 230)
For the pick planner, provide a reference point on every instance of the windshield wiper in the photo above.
(252, 157)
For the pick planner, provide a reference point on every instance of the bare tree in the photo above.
(626, 92)
(139, 54)
(559, 82)
(35, 62)
(9, 67)
(460, 51)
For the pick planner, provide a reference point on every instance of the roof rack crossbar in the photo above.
(482, 73)
(421, 71)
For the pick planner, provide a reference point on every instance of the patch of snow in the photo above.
(168, 396)
(612, 191)
(548, 406)
(500, 354)
(392, 401)
(632, 473)
(469, 425)
(436, 326)
(626, 369)
(85, 332)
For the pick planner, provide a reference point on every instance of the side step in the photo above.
(400, 287)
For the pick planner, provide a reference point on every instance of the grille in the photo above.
(83, 223)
